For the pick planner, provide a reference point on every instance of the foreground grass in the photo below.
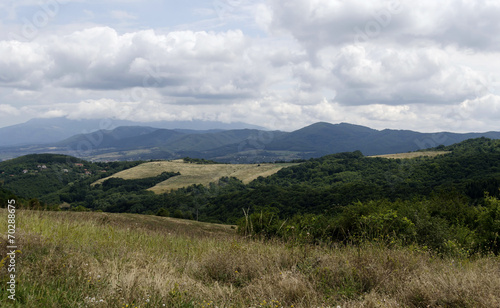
(115, 260)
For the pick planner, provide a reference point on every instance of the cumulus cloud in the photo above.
(202, 65)
(384, 63)
(390, 76)
(486, 107)
(389, 52)
(320, 23)
(22, 65)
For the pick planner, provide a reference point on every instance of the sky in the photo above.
(427, 66)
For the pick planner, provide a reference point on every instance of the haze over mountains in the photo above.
(236, 143)
(41, 131)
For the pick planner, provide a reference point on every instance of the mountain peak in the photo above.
(342, 126)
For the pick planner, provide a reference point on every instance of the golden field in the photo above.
(196, 173)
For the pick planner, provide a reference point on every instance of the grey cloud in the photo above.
(196, 64)
(404, 76)
(318, 24)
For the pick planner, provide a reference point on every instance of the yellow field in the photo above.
(413, 154)
(195, 173)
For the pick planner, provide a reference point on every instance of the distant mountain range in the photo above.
(143, 142)
(43, 131)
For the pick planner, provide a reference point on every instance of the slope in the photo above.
(193, 174)
(321, 139)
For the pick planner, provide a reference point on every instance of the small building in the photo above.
(78, 164)
(25, 171)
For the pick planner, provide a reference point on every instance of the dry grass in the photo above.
(413, 154)
(195, 173)
(114, 260)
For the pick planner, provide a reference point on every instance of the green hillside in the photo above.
(406, 197)
(343, 229)
(43, 175)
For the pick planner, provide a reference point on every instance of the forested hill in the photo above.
(314, 186)
(41, 175)
(328, 183)
(446, 192)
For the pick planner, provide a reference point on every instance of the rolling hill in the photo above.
(193, 174)
(324, 138)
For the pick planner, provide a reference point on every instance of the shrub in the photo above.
(163, 212)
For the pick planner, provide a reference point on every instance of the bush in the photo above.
(178, 214)
(163, 212)
(489, 225)
(80, 208)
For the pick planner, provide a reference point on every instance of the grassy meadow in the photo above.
(196, 173)
(410, 155)
(72, 259)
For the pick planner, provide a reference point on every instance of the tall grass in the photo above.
(115, 260)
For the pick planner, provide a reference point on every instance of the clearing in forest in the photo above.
(191, 173)
(413, 154)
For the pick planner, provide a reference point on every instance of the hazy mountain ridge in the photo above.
(242, 145)
(43, 131)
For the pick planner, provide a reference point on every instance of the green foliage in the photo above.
(436, 203)
(163, 212)
(137, 184)
(178, 214)
(80, 209)
(489, 225)
(47, 176)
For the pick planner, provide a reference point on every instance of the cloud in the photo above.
(200, 65)
(8, 110)
(22, 65)
(486, 107)
(321, 23)
(379, 63)
(374, 75)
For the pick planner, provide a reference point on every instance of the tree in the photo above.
(163, 212)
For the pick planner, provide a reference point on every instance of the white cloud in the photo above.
(368, 75)
(8, 110)
(486, 107)
(22, 65)
(186, 64)
(320, 23)
(384, 63)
